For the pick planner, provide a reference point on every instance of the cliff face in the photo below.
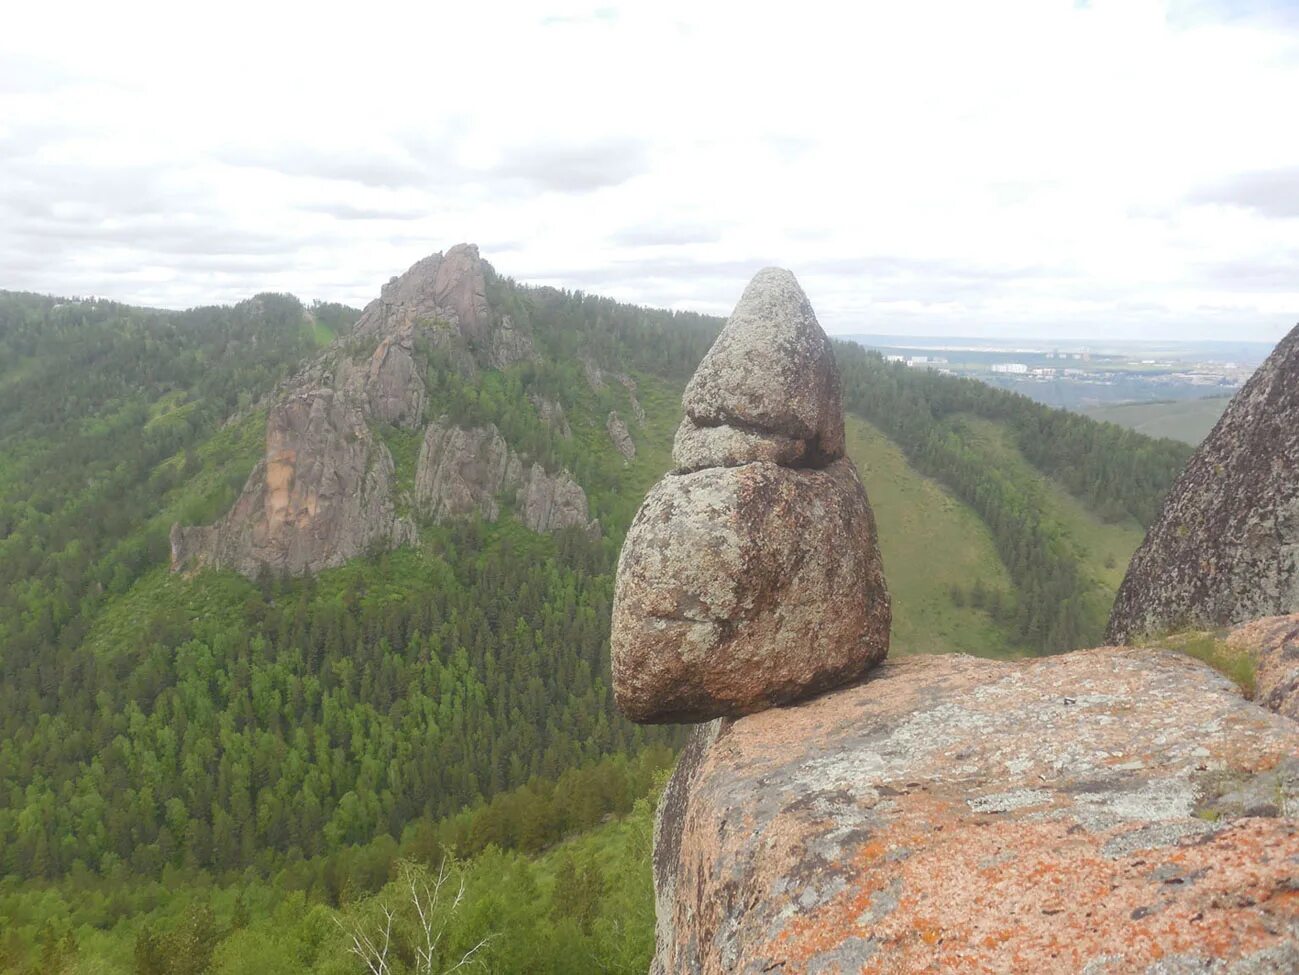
(1225, 548)
(466, 471)
(325, 490)
(322, 494)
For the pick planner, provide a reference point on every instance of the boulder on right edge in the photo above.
(751, 575)
(1225, 548)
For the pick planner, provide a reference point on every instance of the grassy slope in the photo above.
(1104, 549)
(930, 542)
(1187, 420)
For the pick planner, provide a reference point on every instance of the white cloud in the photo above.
(1015, 167)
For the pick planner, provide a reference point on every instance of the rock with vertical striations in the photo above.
(620, 435)
(465, 471)
(1225, 548)
(322, 494)
(751, 577)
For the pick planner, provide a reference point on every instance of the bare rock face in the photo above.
(1105, 811)
(550, 502)
(321, 495)
(1226, 546)
(394, 388)
(696, 448)
(771, 373)
(751, 577)
(464, 472)
(1273, 644)
(745, 587)
(620, 435)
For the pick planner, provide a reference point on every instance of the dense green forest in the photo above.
(1117, 473)
(206, 773)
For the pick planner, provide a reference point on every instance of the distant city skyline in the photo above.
(1022, 168)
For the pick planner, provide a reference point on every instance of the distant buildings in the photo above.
(1014, 368)
(915, 361)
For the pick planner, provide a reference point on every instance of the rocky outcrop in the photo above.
(549, 502)
(1272, 644)
(1225, 548)
(394, 388)
(1105, 811)
(552, 415)
(322, 494)
(620, 435)
(463, 472)
(326, 491)
(751, 576)
(444, 296)
(637, 411)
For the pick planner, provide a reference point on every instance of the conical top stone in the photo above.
(771, 378)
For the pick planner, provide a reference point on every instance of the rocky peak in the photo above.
(1225, 547)
(326, 489)
(751, 576)
(444, 297)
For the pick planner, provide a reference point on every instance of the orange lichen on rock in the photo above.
(961, 815)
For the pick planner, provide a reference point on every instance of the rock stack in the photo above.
(751, 576)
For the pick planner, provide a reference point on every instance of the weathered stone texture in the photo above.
(740, 588)
(771, 371)
(1225, 548)
(696, 448)
(1107, 811)
(751, 576)
(465, 472)
(1273, 644)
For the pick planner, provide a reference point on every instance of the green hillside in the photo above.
(1188, 420)
(208, 761)
(917, 518)
(1102, 548)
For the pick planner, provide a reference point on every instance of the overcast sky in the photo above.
(1123, 168)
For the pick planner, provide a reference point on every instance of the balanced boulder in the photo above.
(751, 576)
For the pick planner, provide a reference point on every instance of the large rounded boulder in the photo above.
(745, 587)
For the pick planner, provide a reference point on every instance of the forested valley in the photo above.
(209, 773)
